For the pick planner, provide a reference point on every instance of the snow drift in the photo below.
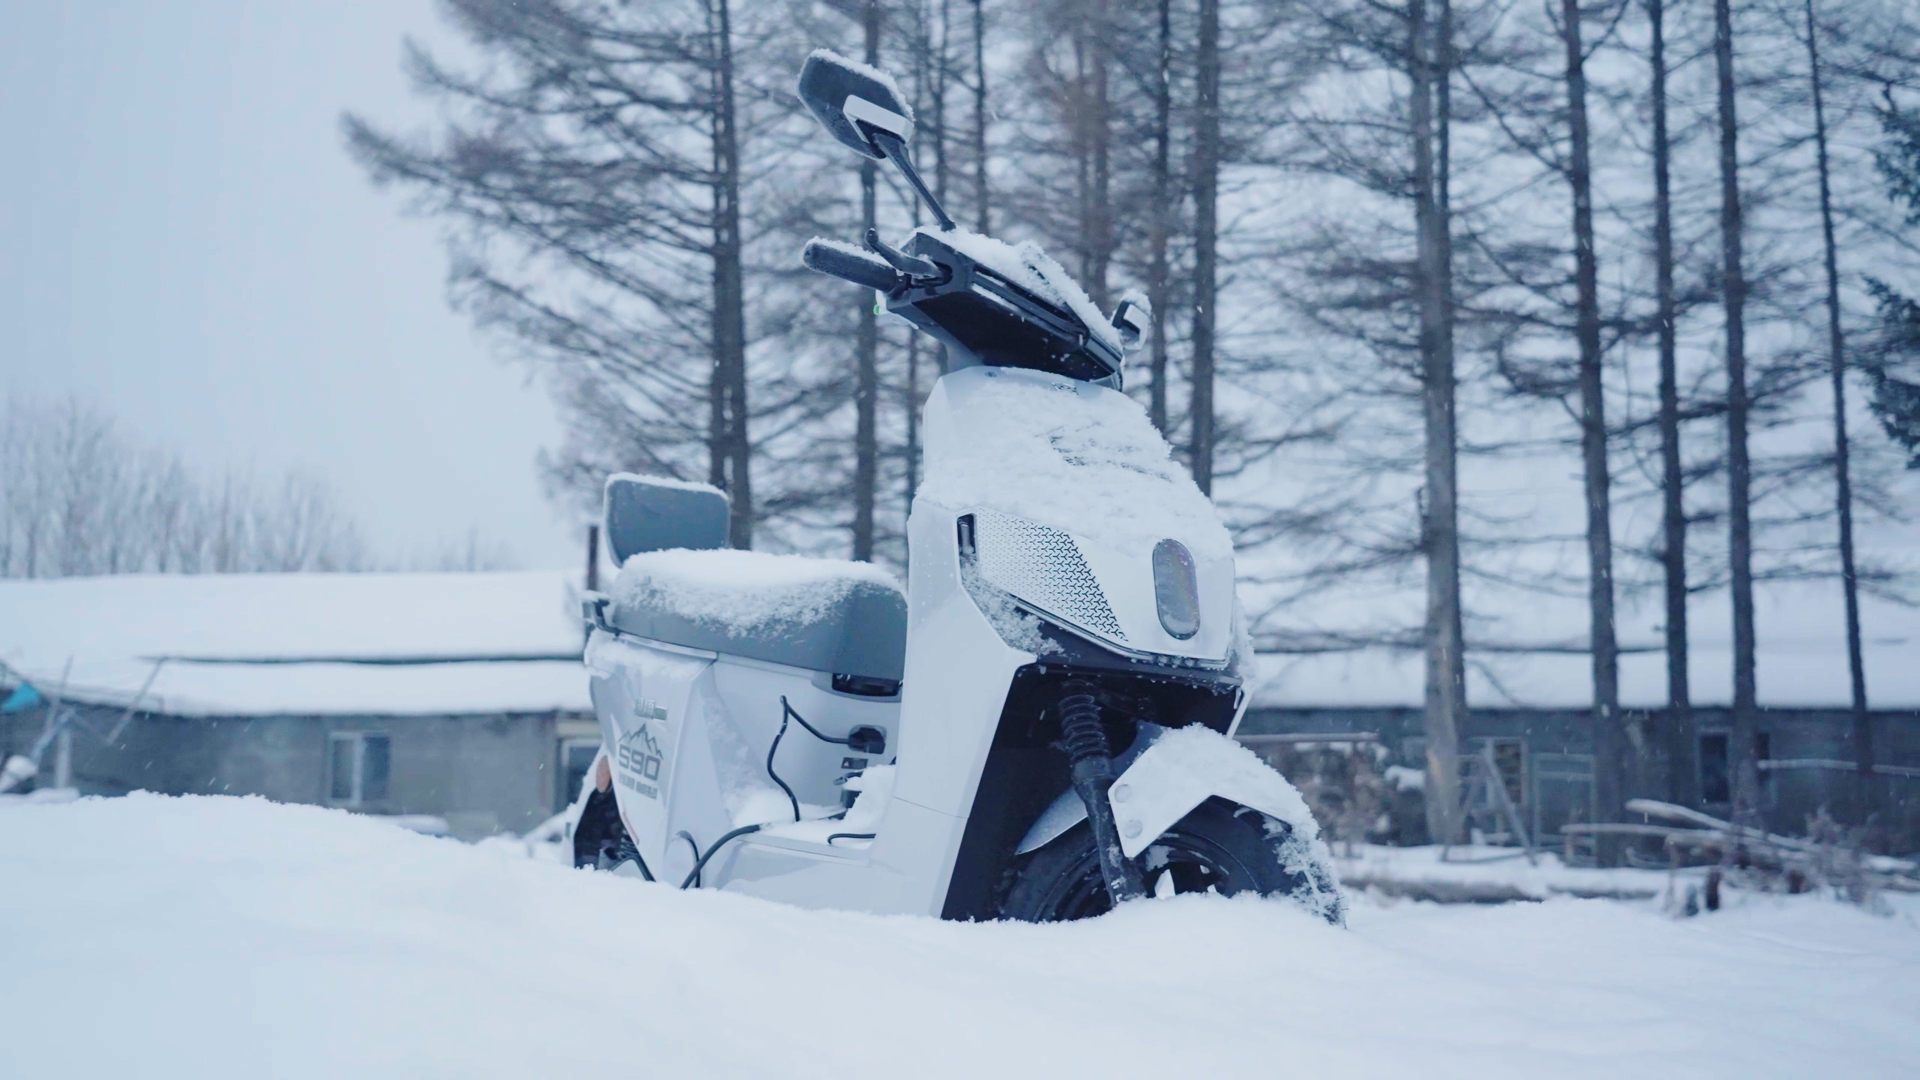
(221, 937)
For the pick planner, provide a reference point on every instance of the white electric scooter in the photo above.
(1038, 728)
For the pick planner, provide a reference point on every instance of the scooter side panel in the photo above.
(697, 813)
(642, 696)
(751, 691)
(957, 674)
(904, 872)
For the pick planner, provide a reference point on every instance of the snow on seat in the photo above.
(828, 615)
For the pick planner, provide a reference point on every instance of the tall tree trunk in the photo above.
(1607, 748)
(729, 299)
(1206, 181)
(1682, 743)
(866, 448)
(1746, 774)
(933, 75)
(983, 219)
(1162, 217)
(1099, 139)
(1836, 344)
(942, 70)
(1446, 690)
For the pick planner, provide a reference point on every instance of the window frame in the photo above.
(357, 778)
(563, 797)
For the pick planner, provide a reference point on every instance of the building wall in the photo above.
(1790, 796)
(483, 774)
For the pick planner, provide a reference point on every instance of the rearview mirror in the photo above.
(854, 101)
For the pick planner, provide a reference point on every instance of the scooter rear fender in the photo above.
(1165, 774)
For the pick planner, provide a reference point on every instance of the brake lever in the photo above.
(911, 265)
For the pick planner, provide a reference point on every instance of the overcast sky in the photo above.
(183, 238)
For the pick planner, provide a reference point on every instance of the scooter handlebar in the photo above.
(847, 264)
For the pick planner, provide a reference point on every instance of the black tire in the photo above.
(1220, 847)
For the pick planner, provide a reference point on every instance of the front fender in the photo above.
(1165, 774)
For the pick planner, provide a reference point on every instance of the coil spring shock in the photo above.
(1085, 741)
(1080, 723)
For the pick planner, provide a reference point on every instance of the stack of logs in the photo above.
(1757, 859)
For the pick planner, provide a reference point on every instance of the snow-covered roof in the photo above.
(263, 644)
(1801, 662)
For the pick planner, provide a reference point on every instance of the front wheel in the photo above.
(1218, 847)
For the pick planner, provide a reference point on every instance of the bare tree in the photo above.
(1598, 476)
(77, 497)
(1739, 472)
(1206, 193)
(1160, 211)
(1843, 478)
(1681, 737)
(866, 472)
(983, 218)
(1446, 684)
(605, 144)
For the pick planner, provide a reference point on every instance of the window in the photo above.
(1716, 765)
(359, 767)
(1716, 781)
(576, 759)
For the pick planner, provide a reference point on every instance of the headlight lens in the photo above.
(1176, 589)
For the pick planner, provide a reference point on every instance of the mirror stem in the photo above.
(896, 152)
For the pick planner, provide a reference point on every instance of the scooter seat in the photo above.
(827, 615)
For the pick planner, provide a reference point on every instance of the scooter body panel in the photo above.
(644, 694)
(903, 871)
(1101, 505)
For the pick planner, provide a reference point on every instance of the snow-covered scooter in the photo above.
(1038, 728)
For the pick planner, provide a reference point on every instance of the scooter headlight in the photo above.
(1176, 589)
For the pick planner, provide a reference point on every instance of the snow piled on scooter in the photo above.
(1077, 457)
(1027, 265)
(742, 592)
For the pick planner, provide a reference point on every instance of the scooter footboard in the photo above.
(1175, 772)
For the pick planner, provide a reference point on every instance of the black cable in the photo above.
(771, 750)
(831, 837)
(787, 713)
(695, 845)
(716, 847)
(628, 851)
(788, 709)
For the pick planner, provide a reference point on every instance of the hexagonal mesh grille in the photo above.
(1044, 567)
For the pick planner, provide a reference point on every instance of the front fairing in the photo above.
(1067, 490)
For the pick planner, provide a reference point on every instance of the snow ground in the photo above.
(214, 937)
(1480, 874)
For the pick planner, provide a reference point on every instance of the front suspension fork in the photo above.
(1092, 764)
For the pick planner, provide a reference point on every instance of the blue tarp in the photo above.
(24, 697)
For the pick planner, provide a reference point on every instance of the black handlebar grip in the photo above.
(855, 266)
